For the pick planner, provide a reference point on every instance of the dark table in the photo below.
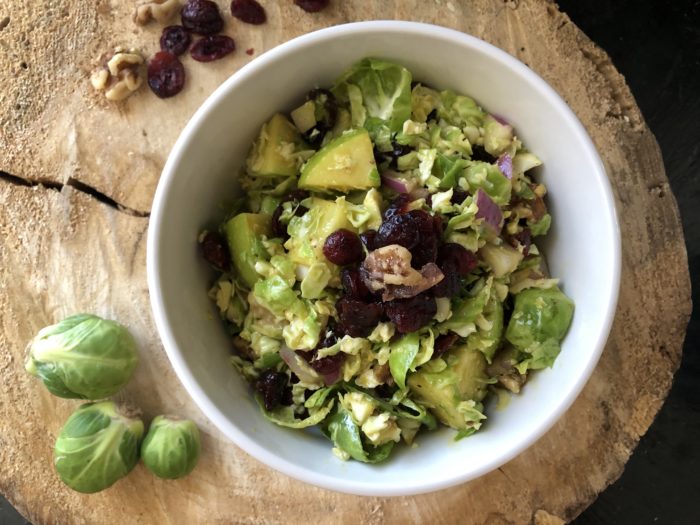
(655, 44)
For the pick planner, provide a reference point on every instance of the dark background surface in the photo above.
(656, 45)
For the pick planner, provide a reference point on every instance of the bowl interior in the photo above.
(200, 177)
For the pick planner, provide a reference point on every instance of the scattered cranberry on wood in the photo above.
(248, 11)
(166, 75)
(201, 17)
(175, 40)
(312, 6)
(214, 47)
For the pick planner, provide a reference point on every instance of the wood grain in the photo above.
(63, 251)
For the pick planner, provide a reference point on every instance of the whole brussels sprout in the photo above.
(96, 447)
(83, 356)
(171, 448)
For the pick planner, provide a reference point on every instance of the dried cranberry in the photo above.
(480, 154)
(271, 386)
(166, 75)
(523, 238)
(248, 11)
(279, 229)
(449, 286)
(398, 229)
(353, 284)
(311, 6)
(287, 398)
(330, 339)
(398, 150)
(343, 247)
(358, 318)
(326, 106)
(215, 251)
(392, 156)
(411, 314)
(328, 365)
(214, 47)
(458, 195)
(384, 391)
(201, 17)
(398, 205)
(438, 226)
(443, 343)
(175, 40)
(368, 238)
(461, 259)
(326, 109)
(426, 250)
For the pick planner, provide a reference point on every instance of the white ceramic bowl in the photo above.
(583, 247)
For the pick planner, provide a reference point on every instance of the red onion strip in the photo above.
(489, 211)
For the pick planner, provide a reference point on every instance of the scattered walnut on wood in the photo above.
(159, 10)
(121, 75)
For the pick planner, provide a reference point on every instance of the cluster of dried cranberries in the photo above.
(166, 74)
(407, 261)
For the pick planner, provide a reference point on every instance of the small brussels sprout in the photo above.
(171, 448)
(96, 447)
(83, 356)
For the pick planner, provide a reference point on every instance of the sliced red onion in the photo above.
(505, 164)
(299, 366)
(500, 119)
(332, 378)
(394, 181)
(430, 276)
(489, 211)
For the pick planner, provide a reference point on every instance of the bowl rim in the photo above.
(195, 390)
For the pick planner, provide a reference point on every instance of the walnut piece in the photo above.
(388, 270)
(121, 75)
(159, 10)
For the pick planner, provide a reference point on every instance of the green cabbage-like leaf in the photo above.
(96, 447)
(284, 415)
(171, 447)
(83, 357)
(403, 352)
(540, 320)
(385, 91)
(345, 434)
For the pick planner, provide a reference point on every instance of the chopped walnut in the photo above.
(159, 10)
(121, 75)
(503, 369)
(388, 269)
(99, 79)
(389, 265)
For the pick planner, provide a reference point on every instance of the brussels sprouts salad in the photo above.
(380, 275)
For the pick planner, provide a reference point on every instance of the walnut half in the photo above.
(159, 10)
(121, 76)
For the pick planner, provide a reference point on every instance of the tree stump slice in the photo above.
(77, 176)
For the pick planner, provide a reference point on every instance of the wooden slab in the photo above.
(64, 250)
